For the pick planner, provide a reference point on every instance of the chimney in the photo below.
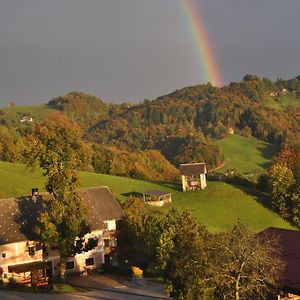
(34, 192)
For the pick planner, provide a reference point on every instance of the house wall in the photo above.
(111, 224)
(203, 181)
(17, 253)
(80, 259)
(183, 180)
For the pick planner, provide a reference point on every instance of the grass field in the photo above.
(38, 113)
(280, 103)
(218, 207)
(247, 155)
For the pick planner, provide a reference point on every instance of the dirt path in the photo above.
(220, 166)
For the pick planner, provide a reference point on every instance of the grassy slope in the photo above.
(218, 207)
(39, 112)
(247, 155)
(282, 102)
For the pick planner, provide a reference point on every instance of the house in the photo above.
(289, 241)
(193, 176)
(26, 119)
(157, 198)
(22, 254)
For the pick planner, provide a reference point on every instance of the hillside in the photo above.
(13, 114)
(247, 155)
(187, 125)
(218, 207)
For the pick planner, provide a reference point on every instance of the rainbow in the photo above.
(204, 52)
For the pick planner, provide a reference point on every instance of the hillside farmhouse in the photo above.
(26, 119)
(193, 176)
(21, 253)
(289, 241)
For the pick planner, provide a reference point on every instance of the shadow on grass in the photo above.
(261, 197)
(132, 194)
(170, 185)
(267, 151)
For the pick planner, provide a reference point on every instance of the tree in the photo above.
(138, 241)
(246, 264)
(284, 182)
(183, 255)
(57, 148)
(233, 265)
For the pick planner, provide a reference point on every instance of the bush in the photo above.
(122, 270)
(12, 282)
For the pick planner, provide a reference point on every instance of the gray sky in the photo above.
(129, 50)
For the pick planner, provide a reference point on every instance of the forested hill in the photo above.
(185, 123)
(183, 126)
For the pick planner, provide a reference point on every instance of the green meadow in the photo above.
(218, 207)
(38, 112)
(282, 102)
(248, 155)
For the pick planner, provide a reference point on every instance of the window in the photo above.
(89, 261)
(3, 255)
(31, 250)
(70, 265)
(106, 243)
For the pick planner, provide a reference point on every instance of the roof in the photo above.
(18, 216)
(31, 266)
(156, 193)
(193, 169)
(100, 206)
(289, 241)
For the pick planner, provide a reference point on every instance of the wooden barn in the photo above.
(193, 176)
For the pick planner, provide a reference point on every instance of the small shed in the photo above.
(157, 198)
(193, 176)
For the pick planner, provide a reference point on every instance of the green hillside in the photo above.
(15, 113)
(218, 207)
(283, 102)
(247, 155)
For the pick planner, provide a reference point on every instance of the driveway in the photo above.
(102, 287)
(92, 294)
(121, 284)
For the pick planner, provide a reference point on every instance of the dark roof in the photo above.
(156, 193)
(193, 169)
(18, 216)
(100, 206)
(289, 241)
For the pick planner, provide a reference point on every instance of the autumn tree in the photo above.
(284, 183)
(232, 265)
(245, 265)
(138, 241)
(57, 148)
(183, 256)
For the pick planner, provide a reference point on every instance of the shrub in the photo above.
(122, 270)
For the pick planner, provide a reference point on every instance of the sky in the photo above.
(131, 50)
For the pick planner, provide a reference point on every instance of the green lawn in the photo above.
(247, 155)
(282, 102)
(39, 112)
(218, 207)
